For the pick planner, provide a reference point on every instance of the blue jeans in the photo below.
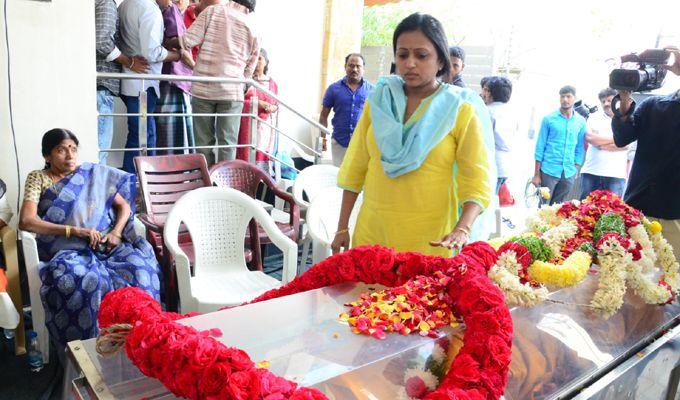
(105, 124)
(132, 104)
(596, 182)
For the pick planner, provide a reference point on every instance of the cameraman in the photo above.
(654, 182)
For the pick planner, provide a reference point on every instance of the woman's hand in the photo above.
(111, 240)
(268, 107)
(454, 240)
(341, 241)
(91, 235)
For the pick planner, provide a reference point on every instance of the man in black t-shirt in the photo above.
(654, 181)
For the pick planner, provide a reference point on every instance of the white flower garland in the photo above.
(504, 274)
(557, 236)
(612, 285)
(544, 219)
(667, 261)
(639, 234)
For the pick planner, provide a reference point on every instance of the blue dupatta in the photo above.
(405, 146)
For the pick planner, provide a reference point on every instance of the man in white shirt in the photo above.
(496, 92)
(141, 34)
(605, 165)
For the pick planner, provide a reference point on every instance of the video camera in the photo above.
(584, 109)
(648, 76)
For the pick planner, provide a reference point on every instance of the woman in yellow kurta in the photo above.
(417, 154)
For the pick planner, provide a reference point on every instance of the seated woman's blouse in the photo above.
(36, 184)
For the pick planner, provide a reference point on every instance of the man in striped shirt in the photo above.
(229, 48)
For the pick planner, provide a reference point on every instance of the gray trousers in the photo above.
(220, 130)
(559, 187)
(338, 152)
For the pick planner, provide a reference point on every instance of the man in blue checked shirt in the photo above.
(560, 148)
(346, 98)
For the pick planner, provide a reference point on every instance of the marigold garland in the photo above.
(572, 271)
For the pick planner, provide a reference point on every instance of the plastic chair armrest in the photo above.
(149, 224)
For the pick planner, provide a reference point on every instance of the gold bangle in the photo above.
(346, 230)
(464, 230)
(68, 231)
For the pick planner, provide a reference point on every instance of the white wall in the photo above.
(292, 33)
(53, 81)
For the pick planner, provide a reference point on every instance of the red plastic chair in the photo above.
(163, 180)
(246, 177)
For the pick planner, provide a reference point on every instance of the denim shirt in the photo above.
(560, 144)
(347, 107)
(654, 181)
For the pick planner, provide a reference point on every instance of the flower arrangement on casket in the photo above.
(563, 239)
(195, 365)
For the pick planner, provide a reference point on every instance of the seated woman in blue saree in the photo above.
(82, 215)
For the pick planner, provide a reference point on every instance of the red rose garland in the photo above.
(190, 363)
(194, 365)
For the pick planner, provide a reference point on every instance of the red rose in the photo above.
(304, 393)
(243, 385)
(238, 359)
(215, 378)
(346, 270)
(205, 353)
(483, 252)
(465, 368)
(272, 385)
(186, 383)
(410, 265)
(415, 387)
(498, 352)
(494, 382)
(456, 394)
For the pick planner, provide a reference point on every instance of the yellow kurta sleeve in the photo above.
(472, 175)
(352, 173)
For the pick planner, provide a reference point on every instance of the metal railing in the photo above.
(143, 114)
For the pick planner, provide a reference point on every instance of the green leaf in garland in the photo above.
(536, 246)
(588, 248)
(609, 222)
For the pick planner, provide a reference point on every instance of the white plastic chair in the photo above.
(294, 150)
(312, 181)
(322, 220)
(33, 266)
(10, 300)
(217, 219)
